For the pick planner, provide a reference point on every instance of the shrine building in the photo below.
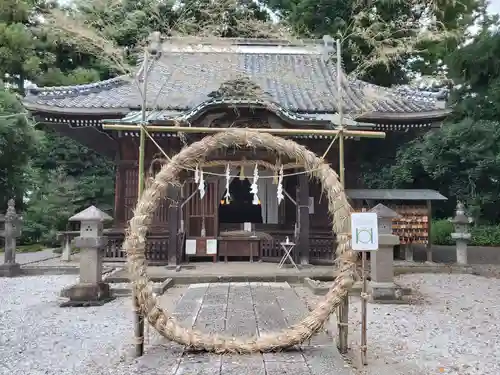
(239, 83)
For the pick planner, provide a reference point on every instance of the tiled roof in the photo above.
(396, 194)
(297, 80)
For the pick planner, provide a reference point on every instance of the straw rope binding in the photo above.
(135, 242)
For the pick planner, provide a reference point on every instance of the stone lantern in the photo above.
(462, 234)
(382, 285)
(11, 232)
(90, 290)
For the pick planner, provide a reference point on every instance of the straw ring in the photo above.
(135, 242)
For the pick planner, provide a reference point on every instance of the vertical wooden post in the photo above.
(303, 218)
(364, 326)
(428, 248)
(173, 225)
(139, 317)
(343, 310)
(120, 182)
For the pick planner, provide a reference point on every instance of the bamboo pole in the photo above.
(139, 317)
(343, 310)
(194, 129)
(364, 360)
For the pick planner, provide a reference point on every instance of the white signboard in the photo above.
(364, 231)
(191, 247)
(212, 247)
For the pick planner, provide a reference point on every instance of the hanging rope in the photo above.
(218, 163)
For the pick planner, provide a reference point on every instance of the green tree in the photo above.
(383, 39)
(30, 52)
(461, 160)
(18, 141)
(51, 175)
(475, 70)
(65, 178)
(129, 23)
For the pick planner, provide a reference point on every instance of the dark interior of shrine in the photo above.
(239, 208)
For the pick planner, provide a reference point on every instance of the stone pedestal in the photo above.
(90, 290)
(10, 270)
(12, 223)
(462, 241)
(66, 249)
(462, 234)
(408, 252)
(382, 287)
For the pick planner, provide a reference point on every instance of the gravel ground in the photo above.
(452, 328)
(39, 337)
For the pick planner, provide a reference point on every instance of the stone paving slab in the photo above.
(247, 309)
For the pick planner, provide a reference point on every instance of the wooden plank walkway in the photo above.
(248, 309)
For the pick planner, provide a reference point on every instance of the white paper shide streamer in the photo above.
(253, 188)
(227, 196)
(279, 192)
(201, 183)
(196, 175)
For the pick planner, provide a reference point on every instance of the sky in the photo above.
(494, 6)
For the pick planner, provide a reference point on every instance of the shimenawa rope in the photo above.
(135, 242)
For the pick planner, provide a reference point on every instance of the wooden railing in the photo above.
(156, 246)
(322, 246)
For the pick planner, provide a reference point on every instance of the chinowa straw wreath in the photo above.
(196, 153)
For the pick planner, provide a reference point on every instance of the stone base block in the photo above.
(84, 295)
(161, 288)
(180, 267)
(387, 293)
(10, 270)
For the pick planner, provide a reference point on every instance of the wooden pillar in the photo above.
(429, 227)
(303, 217)
(173, 225)
(120, 181)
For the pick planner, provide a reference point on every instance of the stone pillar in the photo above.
(303, 218)
(382, 285)
(12, 230)
(462, 234)
(66, 247)
(90, 290)
(408, 251)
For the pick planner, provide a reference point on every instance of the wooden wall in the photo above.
(126, 185)
(127, 179)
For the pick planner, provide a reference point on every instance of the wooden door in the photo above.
(198, 209)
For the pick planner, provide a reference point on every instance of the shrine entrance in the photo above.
(239, 206)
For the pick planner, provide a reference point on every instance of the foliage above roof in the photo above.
(299, 77)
